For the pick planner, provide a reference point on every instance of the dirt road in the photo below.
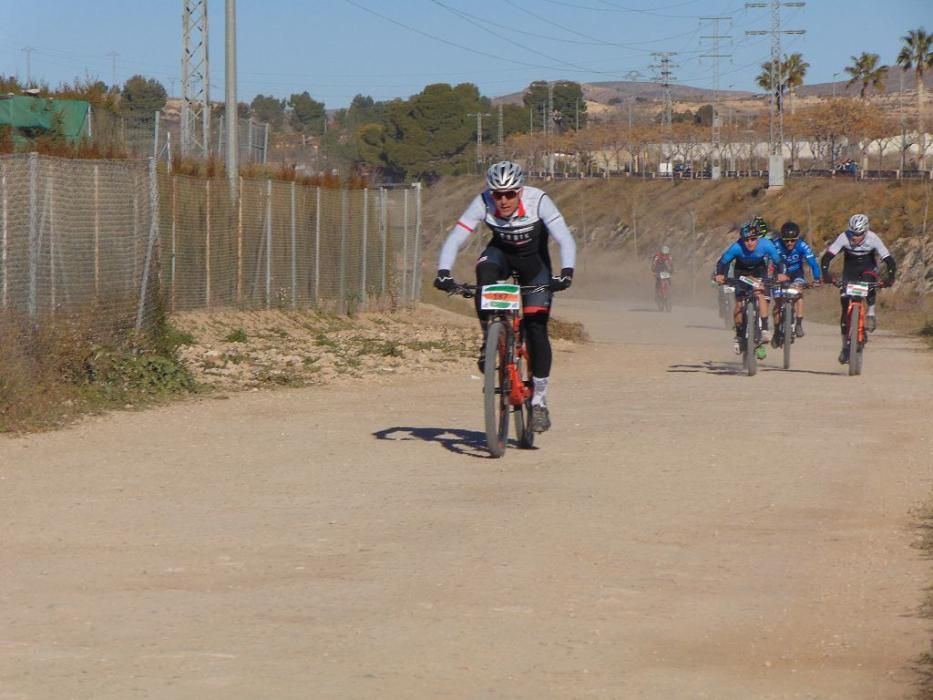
(682, 532)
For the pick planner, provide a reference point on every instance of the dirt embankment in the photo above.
(619, 223)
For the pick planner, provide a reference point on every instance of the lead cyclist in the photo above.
(520, 219)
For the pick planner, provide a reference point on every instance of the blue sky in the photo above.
(393, 48)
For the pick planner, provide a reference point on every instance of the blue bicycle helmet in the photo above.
(748, 231)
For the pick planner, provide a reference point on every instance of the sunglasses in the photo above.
(753, 238)
(508, 194)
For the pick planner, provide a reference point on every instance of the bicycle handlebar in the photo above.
(880, 284)
(468, 291)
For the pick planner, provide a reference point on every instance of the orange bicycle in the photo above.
(507, 384)
(855, 335)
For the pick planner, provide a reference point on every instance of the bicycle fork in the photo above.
(519, 392)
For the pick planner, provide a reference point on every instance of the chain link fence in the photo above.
(285, 245)
(78, 239)
(104, 244)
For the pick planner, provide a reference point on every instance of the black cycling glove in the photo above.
(445, 281)
(562, 281)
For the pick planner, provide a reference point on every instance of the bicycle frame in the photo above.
(518, 391)
(853, 302)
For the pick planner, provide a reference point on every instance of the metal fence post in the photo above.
(383, 232)
(33, 233)
(317, 248)
(207, 242)
(239, 242)
(50, 203)
(294, 253)
(416, 256)
(174, 236)
(153, 236)
(405, 246)
(344, 222)
(155, 137)
(4, 241)
(268, 243)
(365, 234)
(97, 233)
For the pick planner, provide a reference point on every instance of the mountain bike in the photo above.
(855, 334)
(750, 342)
(786, 295)
(726, 303)
(507, 384)
(662, 294)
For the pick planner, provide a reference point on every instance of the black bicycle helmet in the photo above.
(790, 231)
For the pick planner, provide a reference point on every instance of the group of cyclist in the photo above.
(756, 255)
(522, 218)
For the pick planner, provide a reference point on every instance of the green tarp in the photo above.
(30, 116)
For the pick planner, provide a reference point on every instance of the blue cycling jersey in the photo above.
(794, 258)
(749, 261)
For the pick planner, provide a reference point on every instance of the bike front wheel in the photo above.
(751, 337)
(787, 330)
(855, 346)
(496, 388)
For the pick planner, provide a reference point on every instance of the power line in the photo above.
(597, 41)
(665, 77)
(715, 37)
(479, 133)
(28, 50)
(776, 85)
(195, 80)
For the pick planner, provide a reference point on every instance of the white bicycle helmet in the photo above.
(665, 250)
(858, 224)
(505, 175)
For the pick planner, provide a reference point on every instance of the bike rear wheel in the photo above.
(787, 331)
(855, 347)
(751, 340)
(496, 388)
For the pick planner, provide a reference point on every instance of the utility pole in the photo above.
(113, 67)
(550, 115)
(195, 87)
(715, 37)
(479, 136)
(665, 77)
(900, 98)
(776, 122)
(230, 113)
(28, 51)
(501, 133)
(632, 76)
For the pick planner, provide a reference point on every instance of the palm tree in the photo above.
(794, 71)
(791, 74)
(865, 70)
(917, 54)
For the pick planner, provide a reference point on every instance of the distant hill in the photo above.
(603, 92)
(627, 89)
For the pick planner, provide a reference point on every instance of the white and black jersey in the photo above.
(858, 259)
(524, 233)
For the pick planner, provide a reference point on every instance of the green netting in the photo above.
(29, 116)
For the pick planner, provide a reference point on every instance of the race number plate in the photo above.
(664, 275)
(751, 281)
(857, 289)
(501, 297)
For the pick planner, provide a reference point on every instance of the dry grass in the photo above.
(54, 371)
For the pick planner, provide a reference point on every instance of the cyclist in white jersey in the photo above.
(862, 248)
(521, 219)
